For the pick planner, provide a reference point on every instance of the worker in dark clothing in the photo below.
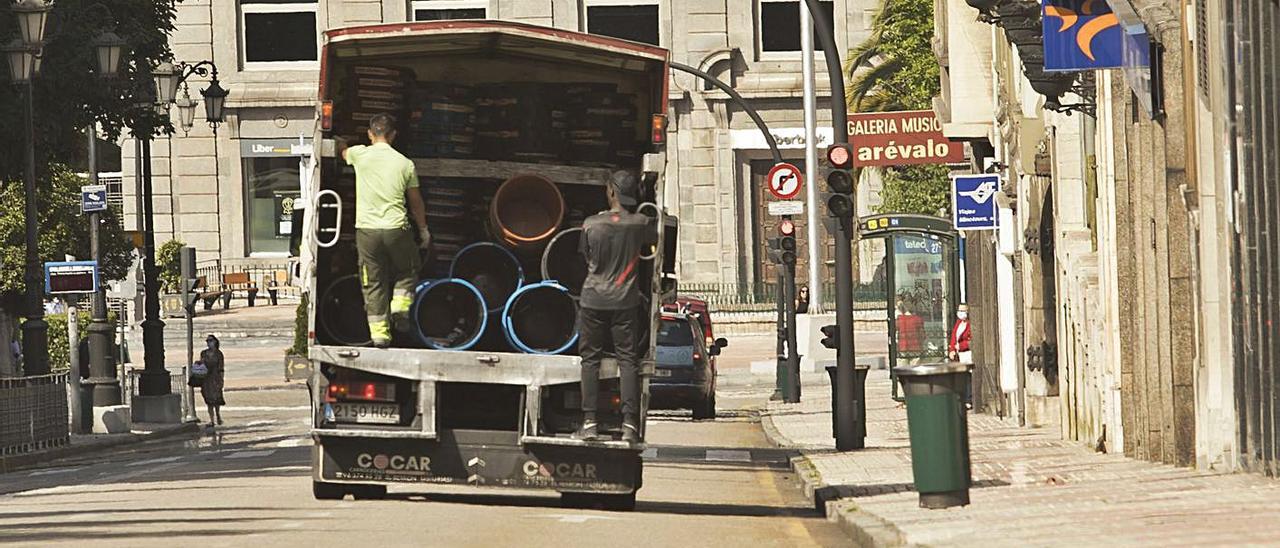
(386, 182)
(612, 243)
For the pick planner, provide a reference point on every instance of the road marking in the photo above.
(575, 518)
(149, 462)
(294, 442)
(268, 408)
(250, 454)
(261, 423)
(728, 455)
(55, 471)
(650, 453)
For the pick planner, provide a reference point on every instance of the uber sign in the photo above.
(973, 202)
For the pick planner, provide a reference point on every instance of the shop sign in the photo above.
(901, 138)
(1081, 35)
(283, 203)
(787, 138)
(274, 148)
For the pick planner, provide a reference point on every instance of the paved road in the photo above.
(709, 483)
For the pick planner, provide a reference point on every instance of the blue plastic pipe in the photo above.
(541, 318)
(445, 303)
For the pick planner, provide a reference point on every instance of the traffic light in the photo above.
(189, 295)
(787, 241)
(830, 336)
(840, 180)
(187, 269)
(775, 249)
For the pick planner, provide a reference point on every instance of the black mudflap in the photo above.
(477, 458)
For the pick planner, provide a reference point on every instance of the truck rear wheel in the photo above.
(598, 501)
(327, 491)
(368, 492)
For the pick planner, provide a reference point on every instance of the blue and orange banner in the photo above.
(1081, 35)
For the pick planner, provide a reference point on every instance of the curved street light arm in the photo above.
(737, 98)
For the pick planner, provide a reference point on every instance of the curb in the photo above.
(835, 502)
(19, 462)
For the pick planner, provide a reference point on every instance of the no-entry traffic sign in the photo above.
(785, 181)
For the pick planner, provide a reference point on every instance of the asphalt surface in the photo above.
(707, 483)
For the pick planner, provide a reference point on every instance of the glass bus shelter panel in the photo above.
(922, 303)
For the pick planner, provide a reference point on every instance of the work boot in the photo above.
(630, 432)
(381, 343)
(587, 432)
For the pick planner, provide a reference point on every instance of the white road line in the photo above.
(250, 454)
(268, 408)
(261, 423)
(149, 462)
(728, 455)
(294, 442)
(55, 471)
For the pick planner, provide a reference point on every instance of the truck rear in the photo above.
(513, 130)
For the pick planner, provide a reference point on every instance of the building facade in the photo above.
(228, 194)
(1140, 216)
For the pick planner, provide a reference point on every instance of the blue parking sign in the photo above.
(973, 202)
(93, 198)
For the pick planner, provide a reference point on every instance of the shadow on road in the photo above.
(642, 507)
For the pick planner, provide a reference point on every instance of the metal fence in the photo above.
(33, 413)
(177, 382)
(764, 296)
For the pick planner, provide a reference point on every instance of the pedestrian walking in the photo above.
(958, 347)
(386, 181)
(211, 388)
(802, 300)
(609, 307)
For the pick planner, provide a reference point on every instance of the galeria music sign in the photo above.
(901, 138)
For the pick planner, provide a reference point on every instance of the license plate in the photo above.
(662, 372)
(366, 413)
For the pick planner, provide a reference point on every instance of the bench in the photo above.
(205, 294)
(278, 281)
(238, 282)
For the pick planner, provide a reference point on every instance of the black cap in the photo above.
(626, 186)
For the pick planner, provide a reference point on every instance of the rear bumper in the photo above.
(677, 394)
(479, 458)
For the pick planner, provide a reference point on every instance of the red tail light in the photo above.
(697, 356)
(363, 391)
(659, 126)
(326, 115)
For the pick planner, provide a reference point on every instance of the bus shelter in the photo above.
(921, 276)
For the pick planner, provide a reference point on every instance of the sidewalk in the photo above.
(1030, 487)
(84, 444)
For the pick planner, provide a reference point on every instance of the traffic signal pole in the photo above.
(844, 389)
(792, 394)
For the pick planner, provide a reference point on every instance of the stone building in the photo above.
(227, 193)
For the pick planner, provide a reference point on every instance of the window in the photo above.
(634, 20)
(271, 186)
(675, 333)
(278, 31)
(780, 25)
(441, 10)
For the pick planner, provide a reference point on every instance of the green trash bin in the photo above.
(939, 426)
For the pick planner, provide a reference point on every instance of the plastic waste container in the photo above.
(939, 429)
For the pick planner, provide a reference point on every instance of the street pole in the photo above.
(155, 378)
(847, 384)
(35, 331)
(780, 378)
(793, 353)
(102, 375)
(73, 375)
(188, 266)
(811, 160)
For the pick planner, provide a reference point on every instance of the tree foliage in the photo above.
(69, 95)
(895, 69)
(169, 264)
(63, 231)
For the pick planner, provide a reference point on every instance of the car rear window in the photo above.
(674, 333)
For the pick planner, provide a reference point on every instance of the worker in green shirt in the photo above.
(389, 259)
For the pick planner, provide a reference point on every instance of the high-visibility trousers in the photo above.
(389, 264)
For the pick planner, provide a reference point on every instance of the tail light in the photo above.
(659, 134)
(326, 115)
(697, 356)
(362, 391)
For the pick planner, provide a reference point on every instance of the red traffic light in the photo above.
(840, 156)
(787, 227)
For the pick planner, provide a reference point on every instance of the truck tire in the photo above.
(368, 492)
(705, 409)
(598, 501)
(327, 491)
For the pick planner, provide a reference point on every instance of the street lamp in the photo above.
(110, 47)
(32, 16)
(23, 62)
(166, 78)
(186, 110)
(215, 97)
